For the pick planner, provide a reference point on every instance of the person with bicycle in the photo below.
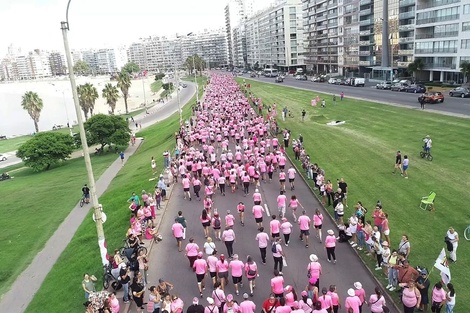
(86, 193)
(427, 144)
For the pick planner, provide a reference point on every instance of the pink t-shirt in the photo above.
(185, 182)
(275, 226)
(192, 249)
(304, 222)
(293, 203)
(257, 211)
(409, 297)
(361, 293)
(376, 304)
(177, 230)
(438, 295)
(334, 297)
(236, 268)
(214, 309)
(256, 196)
(282, 176)
(229, 220)
(289, 296)
(114, 303)
(286, 228)
(315, 269)
(222, 267)
(291, 173)
(281, 200)
(330, 241)
(212, 263)
(284, 309)
(177, 306)
(277, 284)
(317, 219)
(247, 306)
(263, 239)
(325, 301)
(200, 266)
(353, 302)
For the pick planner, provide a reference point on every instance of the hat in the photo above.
(295, 304)
(424, 272)
(358, 285)
(312, 280)
(222, 257)
(229, 297)
(427, 136)
(210, 300)
(330, 232)
(256, 190)
(245, 296)
(351, 292)
(385, 243)
(200, 254)
(313, 258)
(288, 288)
(304, 293)
(195, 300)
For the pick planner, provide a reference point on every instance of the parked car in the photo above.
(3, 157)
(301, 77)
(318, 79)
(462, 92)
(253, 75)
(431, 97)
(339, 81)
(416, 88)
(279, 79)
(332, 81)
(384, 85)
(398, 87)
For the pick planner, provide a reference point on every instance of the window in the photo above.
(465, 44)
(465, 26)
(292, 9)
(466, 9)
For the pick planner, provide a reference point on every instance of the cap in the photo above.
(229, 297)
(312, 280)
(358, 285)
(200, 254)
(304, 293)
(195, 300)
(222, 257)
(245, 296)
(313, 258)
(351, 292)
(295, 304)
(424, 272)
(210, 300)
(288, 288)
(256, 190)
(330, 232)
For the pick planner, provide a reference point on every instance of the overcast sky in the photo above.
(31, 24)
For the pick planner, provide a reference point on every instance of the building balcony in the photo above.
(321, 27)
(440, 66)
(364, 33)
(405, 39)
(330, 25)
(406, 3)
(365, 12)
(403, 64)
(364, 53)
(364, 63)
(435, 3)
(365, 2)
(437, 19)
(405, 52)
(365, 43)
(321, 18)
(437, 35)
(432, 51)
(322, 8)
(406, 27)
(366, 22)
(405, 15)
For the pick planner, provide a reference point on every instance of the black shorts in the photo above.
(281, 167)
(305, 232)
(178, 239)
(282, 180)
(291, 180)
(259, 219)
(257, 202)
(200, 277)
(236, 280)
(274, 235)
(223, 275)
(318, 226)
(186, 189)
(206, 224)
(213, 274)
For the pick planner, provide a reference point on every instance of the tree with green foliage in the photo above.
(81, 68)
(465, 69)
(106, 130)
(416, 66)
(46, 149)
(32, 103)
(87, 95)
(124, 83)
(130, 68)
(159, 76)
(167, 86)
(194, 62)
(111, 94)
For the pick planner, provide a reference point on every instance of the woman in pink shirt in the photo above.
(197, 187)
(439, 298)
(334, 298)
(275, 227)
(290, 295)
(317, 223)
(277, 284)
(318, 308)
(352, 301)
(281, 203)
(192, 250)
(258, 211)
(314, 268)
(177, 305)
(257, 197)
(411, 297)
(222, 271)
(229, 219)
(241, 212)
(206, 222)
(376, 301)
(294, 204)
(330, 245)
(325, 300)
(251, 272)
(282, 180)
(361, 293)
(286, 228)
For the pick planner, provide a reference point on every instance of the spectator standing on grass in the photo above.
(344, 190)
(406, 162)
(411, 297)
(439, 298)
(450, 302)
(453, 239)
(398, 161)
(404, 246)
(422, 283)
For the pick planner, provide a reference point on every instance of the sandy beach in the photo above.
(58, 102)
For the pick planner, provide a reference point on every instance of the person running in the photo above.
(206, 222)
(236, 269)
(304, 225)
(282, 180)
(257, 197)
(263, 239)
(229, 219)
(294, 204)
(251, 272)
(317, 223)
(200, 268)
(291, 172)
(397, 163)
(212, 266)
(197, 187)
(406, 162)
(241, 212)
(186, 183)
(221, 182)
(286, 228)
(217, 225)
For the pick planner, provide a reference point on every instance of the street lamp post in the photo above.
(64, 26)
(195, 79)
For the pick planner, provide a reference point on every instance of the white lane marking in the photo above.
(267, 209)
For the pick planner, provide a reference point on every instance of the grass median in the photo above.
(363, 152)
(61, 291)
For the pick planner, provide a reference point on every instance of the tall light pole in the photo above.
(195, 80)
(69, 126)
(64, 26)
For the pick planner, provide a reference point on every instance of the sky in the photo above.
(35, 24)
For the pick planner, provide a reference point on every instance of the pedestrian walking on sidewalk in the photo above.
(121, 155)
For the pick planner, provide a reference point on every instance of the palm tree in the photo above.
(124, 83)
(465, 69)
(111, 93)
(416, 66)
(82, 100)
(32, 103)
(91, 94)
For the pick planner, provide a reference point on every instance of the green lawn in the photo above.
(363, 152)
(82, 254)
(12, 144)
(32, 210)
(156, 86)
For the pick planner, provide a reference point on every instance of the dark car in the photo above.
(416, 88)
(279, 79)
(398, 87)
(431, 97)
(253, 75)
(462, 92)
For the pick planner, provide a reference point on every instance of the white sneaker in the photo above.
(354, 245)
(392, 289)
(388, 286)
(351, 243)
(378, 268)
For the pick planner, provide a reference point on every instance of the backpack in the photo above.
(274, 248)
(217, 222)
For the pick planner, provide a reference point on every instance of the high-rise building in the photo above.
(57, 63)
(236, 13)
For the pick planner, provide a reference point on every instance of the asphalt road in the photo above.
(167, 263)
(163, 110)
(450, 106)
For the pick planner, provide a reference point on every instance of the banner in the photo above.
(442, 265)
(314, 102)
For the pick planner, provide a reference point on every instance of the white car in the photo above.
(3, 157)
(332, 81)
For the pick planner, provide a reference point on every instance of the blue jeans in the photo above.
(392, 277)
(360, 238)
(450, 308)
(125, 288)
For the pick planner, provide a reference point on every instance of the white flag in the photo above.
(442, 265)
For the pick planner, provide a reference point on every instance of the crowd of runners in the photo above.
(226, 147)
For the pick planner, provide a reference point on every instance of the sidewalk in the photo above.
(29, 281)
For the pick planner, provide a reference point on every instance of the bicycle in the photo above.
(82, 201)
(108, 277)
(466, 233)
(426, 155)
(135, 251)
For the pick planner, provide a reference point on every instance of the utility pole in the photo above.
(64, 26)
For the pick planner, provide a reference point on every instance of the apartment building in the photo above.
(57, 63)
(236, 13)
(274, 36)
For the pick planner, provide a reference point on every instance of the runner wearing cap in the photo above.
(200, 268)
(247, 306)
(236, 268)
(195, 307)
